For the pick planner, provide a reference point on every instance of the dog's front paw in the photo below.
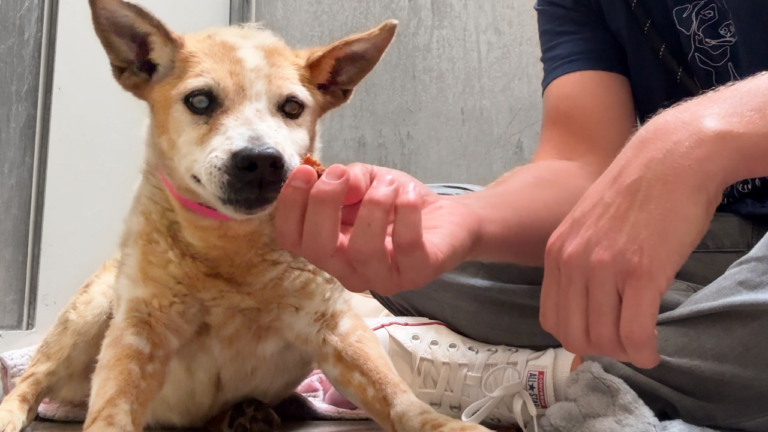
(12, 421)
(424, 419)
(248, 416)
(453, 425)
(461, 426)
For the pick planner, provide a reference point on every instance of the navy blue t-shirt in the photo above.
(721, 41)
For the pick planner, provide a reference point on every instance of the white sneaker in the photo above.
(474, 381)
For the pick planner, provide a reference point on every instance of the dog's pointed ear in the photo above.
(336, 69)
(140, 48)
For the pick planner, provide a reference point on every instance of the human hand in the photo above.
(612, 258)
(373, 228)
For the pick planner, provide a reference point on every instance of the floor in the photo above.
(314, 426)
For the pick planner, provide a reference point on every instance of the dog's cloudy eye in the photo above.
(200, 102)
(292, 108)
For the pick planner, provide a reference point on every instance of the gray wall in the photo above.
(457, 98)
(21, 29)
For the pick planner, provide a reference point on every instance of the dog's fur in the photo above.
(198, 315)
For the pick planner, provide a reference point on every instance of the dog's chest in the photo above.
(250, 343)
(237, 353)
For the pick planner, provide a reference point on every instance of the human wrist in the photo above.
(471, 224)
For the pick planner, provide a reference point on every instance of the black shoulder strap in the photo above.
(680, 69)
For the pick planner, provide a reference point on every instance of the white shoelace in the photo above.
(438, 382)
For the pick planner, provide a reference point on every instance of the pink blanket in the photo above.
(314, 399)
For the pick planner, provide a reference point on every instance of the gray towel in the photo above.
(598, 402)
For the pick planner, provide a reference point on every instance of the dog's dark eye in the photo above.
(292, 108)
(200, 102)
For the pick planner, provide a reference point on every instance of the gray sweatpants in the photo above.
(713, 324)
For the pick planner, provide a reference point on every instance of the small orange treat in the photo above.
(314, 163)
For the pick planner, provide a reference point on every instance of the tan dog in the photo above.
(201, 312)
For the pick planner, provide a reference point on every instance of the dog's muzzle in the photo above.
(255, 176)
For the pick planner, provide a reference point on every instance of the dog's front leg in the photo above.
(353, 360)
(131, 367)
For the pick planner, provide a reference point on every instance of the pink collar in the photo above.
(195, 207)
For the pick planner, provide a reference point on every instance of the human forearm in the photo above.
(520, 211)
(722, 134)
(725, 132)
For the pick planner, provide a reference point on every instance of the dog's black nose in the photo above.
(255, 176)
(264, 163)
